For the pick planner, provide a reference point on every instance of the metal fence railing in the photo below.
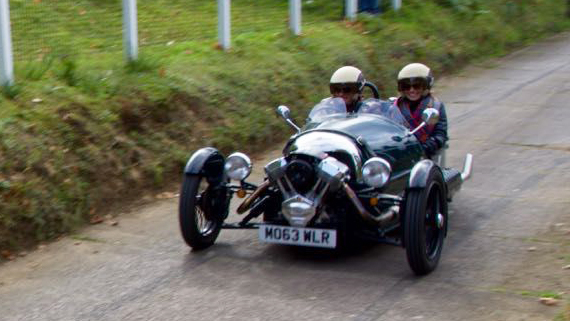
(31, 29)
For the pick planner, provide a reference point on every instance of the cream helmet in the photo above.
(347, 76)
(415, 72)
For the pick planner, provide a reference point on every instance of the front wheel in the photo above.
(201, 211)
(425, 224)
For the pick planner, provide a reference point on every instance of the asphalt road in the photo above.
(511, 113)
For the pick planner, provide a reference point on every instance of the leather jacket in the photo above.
(434, 137)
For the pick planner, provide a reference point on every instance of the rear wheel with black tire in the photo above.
(425, 224)
(201, 211)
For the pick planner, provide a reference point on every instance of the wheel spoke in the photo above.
(202, 222)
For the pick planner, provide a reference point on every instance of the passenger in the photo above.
(347, 83)
(414, 84)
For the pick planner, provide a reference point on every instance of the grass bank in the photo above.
(79, 134)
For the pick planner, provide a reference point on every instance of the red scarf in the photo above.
(415, 118)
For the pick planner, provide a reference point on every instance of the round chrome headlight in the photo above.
(376, 172)
(238, 166)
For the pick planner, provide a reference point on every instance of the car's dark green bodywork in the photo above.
(374, 136)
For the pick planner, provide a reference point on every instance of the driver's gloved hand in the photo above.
(430, 147)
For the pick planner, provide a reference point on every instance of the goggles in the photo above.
(343, 89)
(416, 83)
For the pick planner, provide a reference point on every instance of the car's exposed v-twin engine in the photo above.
(304, 183)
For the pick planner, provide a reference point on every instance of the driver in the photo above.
(414, 84)
(347, 83)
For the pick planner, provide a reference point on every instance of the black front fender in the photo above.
(208, 162)
(420, 173)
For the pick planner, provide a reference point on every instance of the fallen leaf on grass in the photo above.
(548, 301)
(96, 219)
(7, 255)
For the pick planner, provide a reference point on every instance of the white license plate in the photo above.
(303, 236)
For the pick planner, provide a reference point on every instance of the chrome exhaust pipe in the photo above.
(248, 201)
(467, 166)
(454, 178)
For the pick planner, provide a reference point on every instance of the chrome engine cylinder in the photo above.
(300, 208)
